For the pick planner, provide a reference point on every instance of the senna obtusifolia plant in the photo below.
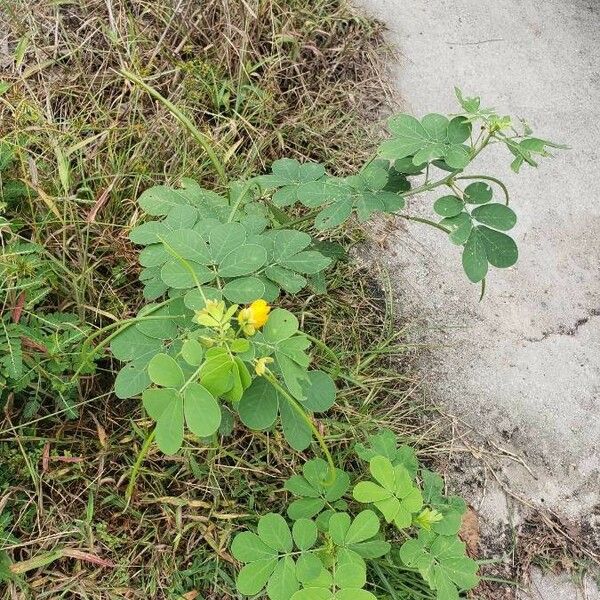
(213, 344)
(333, 531)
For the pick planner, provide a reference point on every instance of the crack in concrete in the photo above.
(563, 330)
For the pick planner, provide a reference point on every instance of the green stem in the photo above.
(426, 222)
(135, 471)
(273, 381)
(426, 187)
(202, 139)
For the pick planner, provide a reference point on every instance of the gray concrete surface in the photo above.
(523, 366)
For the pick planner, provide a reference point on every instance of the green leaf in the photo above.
(155, 400)
(245, 259)
(436, 126)
(364, 526)
(478, 193)
(383, 443)
(254, 576)
(286, 196)
(244, 290)
(283, 583)
(299, 486)
(457, 156)
(410, 137)
(169, 426)
(286, 168)
(215, 373)
(132, 344)
(248, 547)
(448, 206)
(288, 242)
(310, 171)
(163, 370)
(460, 227)
(305, 508)
(179, 275)
(259, 405)
(374, 176)
(396, 497)
(304, 533)
(294, 373)
(383, 471)
(350, 571)
(353, 594)
(334, 215)
(308, 261)
(295, 428)
(194, 299)
(308, 567)
(459, 130)
(442, 562)
(474, 257)
(495, 215)
(275, 532)
(131, 381)
(192, 352)
(367, 492)
(202, 412)
(147, 233)
(282, 324)
(500, 249)
(189, 244)
(371, 548)
(339, 524)
(406, 166)
(325, 191)
(181, 217)
(153, 255)
(160, 329)
(160, 199)
(224, 239)
(319, 392)
(288, 280)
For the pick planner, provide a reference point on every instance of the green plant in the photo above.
(210, 252)
(331, 543)
(198, 358)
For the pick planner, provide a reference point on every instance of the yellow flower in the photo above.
(261, 365)
(254, 316)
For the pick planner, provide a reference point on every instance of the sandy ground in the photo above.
(523, 366)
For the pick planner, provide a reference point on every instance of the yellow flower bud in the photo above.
(261, 365)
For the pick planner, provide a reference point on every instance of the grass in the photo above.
(259, 80)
